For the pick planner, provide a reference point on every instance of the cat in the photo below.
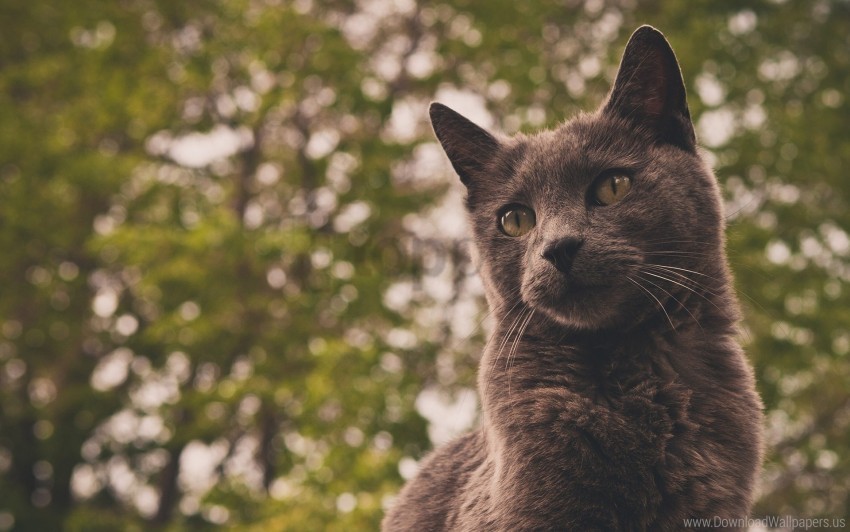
(614, 394)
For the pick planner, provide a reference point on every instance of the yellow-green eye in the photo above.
(517, 220)
(612, 188)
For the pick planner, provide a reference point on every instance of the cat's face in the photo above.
(595, 223)
(582, 217)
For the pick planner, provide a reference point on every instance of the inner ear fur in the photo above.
(649, 89)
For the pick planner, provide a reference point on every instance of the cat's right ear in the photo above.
(649, 89)
(468, 146)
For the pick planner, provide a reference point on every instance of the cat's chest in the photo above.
(606, 439)
(611, 417)
(611, 386)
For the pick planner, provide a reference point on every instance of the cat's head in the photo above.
(604, 219)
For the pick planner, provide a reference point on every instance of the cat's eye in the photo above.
(611, 188)
(517, 220)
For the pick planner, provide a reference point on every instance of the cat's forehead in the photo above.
(587, 143)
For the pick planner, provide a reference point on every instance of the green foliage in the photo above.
(230, 260)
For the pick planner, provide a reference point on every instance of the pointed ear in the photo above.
(468, 146)
(649, 89)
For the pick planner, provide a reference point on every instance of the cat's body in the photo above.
(614, 394)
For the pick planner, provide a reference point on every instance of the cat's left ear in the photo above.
(469, 147)
(649, 89)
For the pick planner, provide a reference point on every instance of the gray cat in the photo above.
(614, 394)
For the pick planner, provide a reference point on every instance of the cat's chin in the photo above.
(579, 307)
(580, 319)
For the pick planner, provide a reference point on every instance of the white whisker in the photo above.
(674, 299)
(505, 340)
(684, 270)
(656, 300)
(683, 278)
(512, 353)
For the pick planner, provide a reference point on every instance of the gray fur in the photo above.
(615, 395)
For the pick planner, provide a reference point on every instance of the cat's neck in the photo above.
(529, 350)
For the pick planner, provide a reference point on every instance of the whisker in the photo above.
(752, 300)
(692, 290)
(676, 300)
(709, 291)
(512, 354)
(675, 241)
(505, 340)
(511, 293)
(685, 278)
(493, 336)
(681, 252)
(666, 267)
(656, 300)
(696, 284)
(692, 284)
(729, 217)
(518, 335)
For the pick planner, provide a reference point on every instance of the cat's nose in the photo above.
(562, 252)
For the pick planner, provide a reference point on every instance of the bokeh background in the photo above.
(235, 286)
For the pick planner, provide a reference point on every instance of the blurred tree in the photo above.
(70, 131)
(234, 273)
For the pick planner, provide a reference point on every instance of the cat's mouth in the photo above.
(578, 302)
